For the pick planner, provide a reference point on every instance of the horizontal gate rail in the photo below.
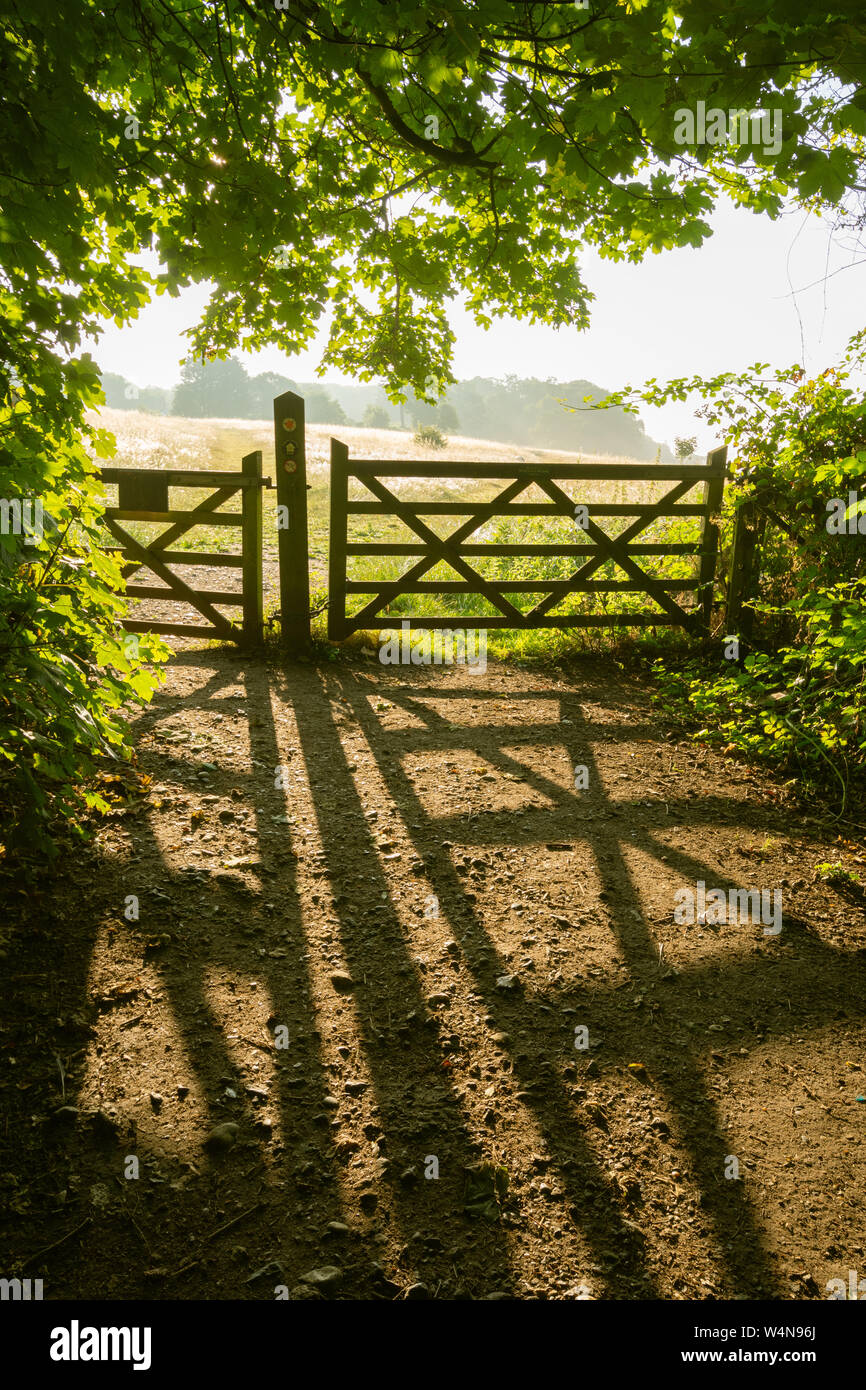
(520, 586)
(526, 509)
(172, 629)
(410, 548)
(531, 472)
(196, 518)
(458, 548)
(143, 497)
(451, 621)
(181, 477)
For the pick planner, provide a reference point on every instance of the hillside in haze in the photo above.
(524, 412)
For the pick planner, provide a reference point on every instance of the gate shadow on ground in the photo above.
(313, 1172)
(705, 991)
(386, 989)
(307, 1169)
(211, 1064)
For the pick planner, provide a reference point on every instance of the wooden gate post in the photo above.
(714, 490)
(337, 541)
(743, 574)
(251, 533)
(292, 541)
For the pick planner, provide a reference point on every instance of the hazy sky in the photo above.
(749, 294)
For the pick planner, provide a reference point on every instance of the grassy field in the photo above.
(162, 442)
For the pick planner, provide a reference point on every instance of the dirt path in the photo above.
(380, 971)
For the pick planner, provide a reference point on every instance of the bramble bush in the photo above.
(67, 668)
(798, 697)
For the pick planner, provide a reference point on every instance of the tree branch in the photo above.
(458, 158)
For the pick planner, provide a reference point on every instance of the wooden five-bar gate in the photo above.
(462, 545)
(143, 496)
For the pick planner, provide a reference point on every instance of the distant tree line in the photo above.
(515, 410)
(220, 389)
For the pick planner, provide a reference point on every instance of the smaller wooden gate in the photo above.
(596, 547)
(143, 496)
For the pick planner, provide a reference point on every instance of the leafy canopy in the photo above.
(375, 159)
(365, 159)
